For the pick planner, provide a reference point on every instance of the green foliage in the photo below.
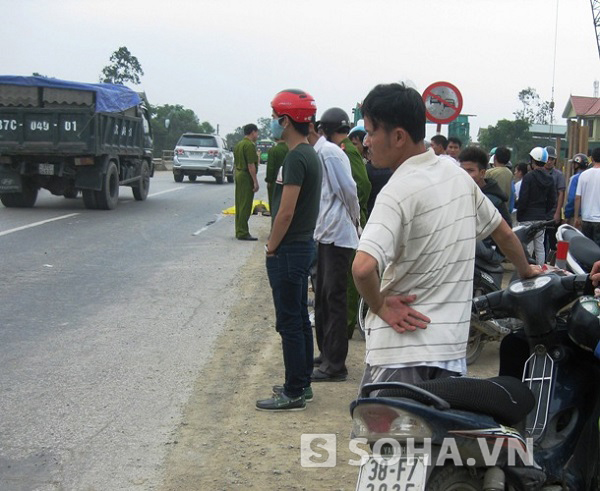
(234, 138)
(124, 67)
(264, 128)
(534, 110)
(180, 120)
(512, 134)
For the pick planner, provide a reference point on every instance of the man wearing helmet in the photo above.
(580, 163)
(587, 199)
(335, 125)
(418, 247)
(537, 198)
(290, 248)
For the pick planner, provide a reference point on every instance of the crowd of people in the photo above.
(375, 209)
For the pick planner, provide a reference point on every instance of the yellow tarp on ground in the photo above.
(258, 206)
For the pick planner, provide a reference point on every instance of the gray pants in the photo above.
(408, 375)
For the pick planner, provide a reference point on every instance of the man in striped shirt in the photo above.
(415, 260)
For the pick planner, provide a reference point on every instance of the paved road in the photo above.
(106, 318)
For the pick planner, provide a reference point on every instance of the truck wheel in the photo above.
(178, 177)
(25, 199)
(89, 199)
(192, 177)
(141, 188)
(221, 177)
(108, 197)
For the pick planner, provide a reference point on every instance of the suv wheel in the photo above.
(178, 176)
(221, 177)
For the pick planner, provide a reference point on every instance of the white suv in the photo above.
(198, 154)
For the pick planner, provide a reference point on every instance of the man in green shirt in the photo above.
(500, 172)
(246, 183)
(335, 125)
(275, 158)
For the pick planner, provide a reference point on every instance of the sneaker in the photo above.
(308, 392)
(281, 402)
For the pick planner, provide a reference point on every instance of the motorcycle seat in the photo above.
(585, 251)
(506, 399)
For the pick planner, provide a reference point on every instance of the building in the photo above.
(583, 125)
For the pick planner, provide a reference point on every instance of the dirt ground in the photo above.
(225, 444)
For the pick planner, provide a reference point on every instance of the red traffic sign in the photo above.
(443, 102)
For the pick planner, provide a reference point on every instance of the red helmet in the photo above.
(297, 104)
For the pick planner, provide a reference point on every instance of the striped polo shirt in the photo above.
(422, 233)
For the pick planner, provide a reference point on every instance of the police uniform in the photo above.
(244, 154)
(275, 158)
(363, 189)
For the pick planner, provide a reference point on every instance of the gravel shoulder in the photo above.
(223, 443)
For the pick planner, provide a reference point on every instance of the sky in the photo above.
(226, 59)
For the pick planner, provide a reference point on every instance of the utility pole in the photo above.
(596, 15)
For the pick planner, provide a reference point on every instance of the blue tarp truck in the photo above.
(71, 137)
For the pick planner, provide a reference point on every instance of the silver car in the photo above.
(198, 154)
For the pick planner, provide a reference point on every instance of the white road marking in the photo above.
(212, 222)
(166, 191)
(36, 224)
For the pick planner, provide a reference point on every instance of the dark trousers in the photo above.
(331, 307)
(591, 230)
(288, 276)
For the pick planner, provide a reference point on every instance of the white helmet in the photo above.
(540, 154)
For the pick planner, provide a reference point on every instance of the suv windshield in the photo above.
(197, 141)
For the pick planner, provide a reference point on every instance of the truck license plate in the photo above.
(408, 474)
(46, 169)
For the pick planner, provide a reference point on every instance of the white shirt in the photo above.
(588, 187)
(422, 233)
(339, 212)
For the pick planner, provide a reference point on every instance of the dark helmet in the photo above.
(551, 152)
(584, 324)
(335, 120)
(580, 160)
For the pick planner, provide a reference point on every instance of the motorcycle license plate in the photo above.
(408, 474)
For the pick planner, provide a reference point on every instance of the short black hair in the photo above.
(453, 139)
(249, 128)
(502, 155)
(440, 140)
(596, 154)
(523, 168)
(302, 128)
(474, 154)
(395, 105)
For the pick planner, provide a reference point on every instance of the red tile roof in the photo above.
(585, 106)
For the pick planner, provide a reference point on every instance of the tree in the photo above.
(534, 110)
(234, 138)
(169, 122)
(264, 128)
(124, 67)
(512, 134)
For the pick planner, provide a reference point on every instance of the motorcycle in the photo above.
(487, 278)
(502, 433)
(582, 252)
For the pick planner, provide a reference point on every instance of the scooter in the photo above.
(582, 253)
(502, 433)
(487, 278)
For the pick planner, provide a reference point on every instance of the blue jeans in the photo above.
(288, 272)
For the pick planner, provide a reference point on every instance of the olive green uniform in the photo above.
(363, 189)
(244, 154)
(275, 158)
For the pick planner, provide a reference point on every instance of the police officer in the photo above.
(275, 158)
(246, 182)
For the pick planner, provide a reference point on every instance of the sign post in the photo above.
(443, 103)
